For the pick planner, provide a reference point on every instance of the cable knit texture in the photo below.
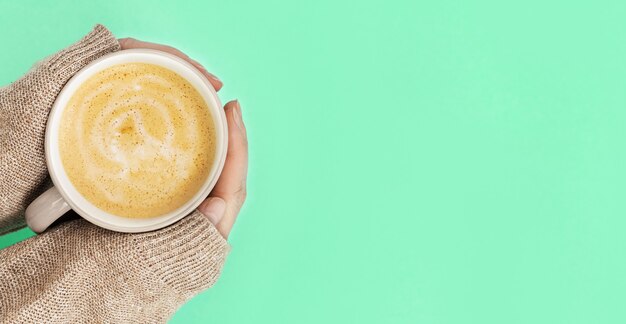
(78, 272)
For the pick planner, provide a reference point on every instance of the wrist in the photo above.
(98, 42)
(187, 256)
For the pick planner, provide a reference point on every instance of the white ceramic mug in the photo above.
(56, 201)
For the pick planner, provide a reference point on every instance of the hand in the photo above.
(229, 194)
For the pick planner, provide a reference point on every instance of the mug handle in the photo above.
(46, 209)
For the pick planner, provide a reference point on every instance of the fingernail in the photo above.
(207, 73)
(237, 115)
(212, 76)
(214, 209)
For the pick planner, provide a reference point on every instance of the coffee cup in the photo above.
(66, 195)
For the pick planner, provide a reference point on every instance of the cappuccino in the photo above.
(137, 140)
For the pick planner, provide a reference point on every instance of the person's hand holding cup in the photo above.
(122, 154)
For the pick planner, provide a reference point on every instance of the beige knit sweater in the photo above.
(77, 272)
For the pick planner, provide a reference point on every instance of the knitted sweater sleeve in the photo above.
(78, 272)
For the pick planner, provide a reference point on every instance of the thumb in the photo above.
(213, 208)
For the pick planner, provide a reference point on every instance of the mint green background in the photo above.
(411, 162)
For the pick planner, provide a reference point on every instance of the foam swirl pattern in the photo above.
(137, 140)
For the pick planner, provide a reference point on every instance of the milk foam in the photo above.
(137, 140)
